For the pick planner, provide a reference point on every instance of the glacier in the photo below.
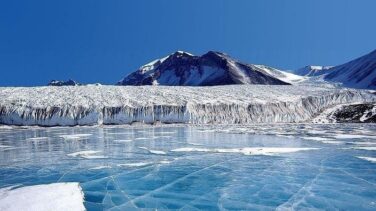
(232, 104)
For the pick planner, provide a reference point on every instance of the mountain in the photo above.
(69, 82)
(213, 68)
(358, 73)
(312, 70)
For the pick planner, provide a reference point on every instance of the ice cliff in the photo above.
(234, 104)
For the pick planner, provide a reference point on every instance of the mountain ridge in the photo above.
(210, 69)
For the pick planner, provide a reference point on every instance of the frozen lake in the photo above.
(264, 167)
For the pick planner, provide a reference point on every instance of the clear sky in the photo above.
(102, 41)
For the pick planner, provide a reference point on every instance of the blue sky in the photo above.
(102, 41)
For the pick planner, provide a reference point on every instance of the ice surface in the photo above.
(233, 104)
(222, 176)
(55, 196)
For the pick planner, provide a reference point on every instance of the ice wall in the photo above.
(238, 104)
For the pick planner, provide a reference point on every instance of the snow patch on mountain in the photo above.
(281, 75)
(312, 70)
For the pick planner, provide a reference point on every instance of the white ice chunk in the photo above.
(55, 196)
(323, 140)
(371, 159)
(38, 139)
(316, 138)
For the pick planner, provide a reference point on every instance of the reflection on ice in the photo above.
(199, 168)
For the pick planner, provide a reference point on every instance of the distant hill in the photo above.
(69, 82)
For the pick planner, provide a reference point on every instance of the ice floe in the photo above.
(38, 139)
(122, 140)
(361, 143)
(100, 167)
(55, 196)
(316, 138)
(4, 146)
(323, 140)
(365, 148)
(246, 150)
(138, 164)
(75, 136)
(371, 159)
(145, 138)
(89, 154)
(352, 136)
(157, 152)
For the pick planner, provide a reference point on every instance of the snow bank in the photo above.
(56, 196)
(235, 104)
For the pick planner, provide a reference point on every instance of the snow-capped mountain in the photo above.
(311, 70)
(358, 73)
(212, 68)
